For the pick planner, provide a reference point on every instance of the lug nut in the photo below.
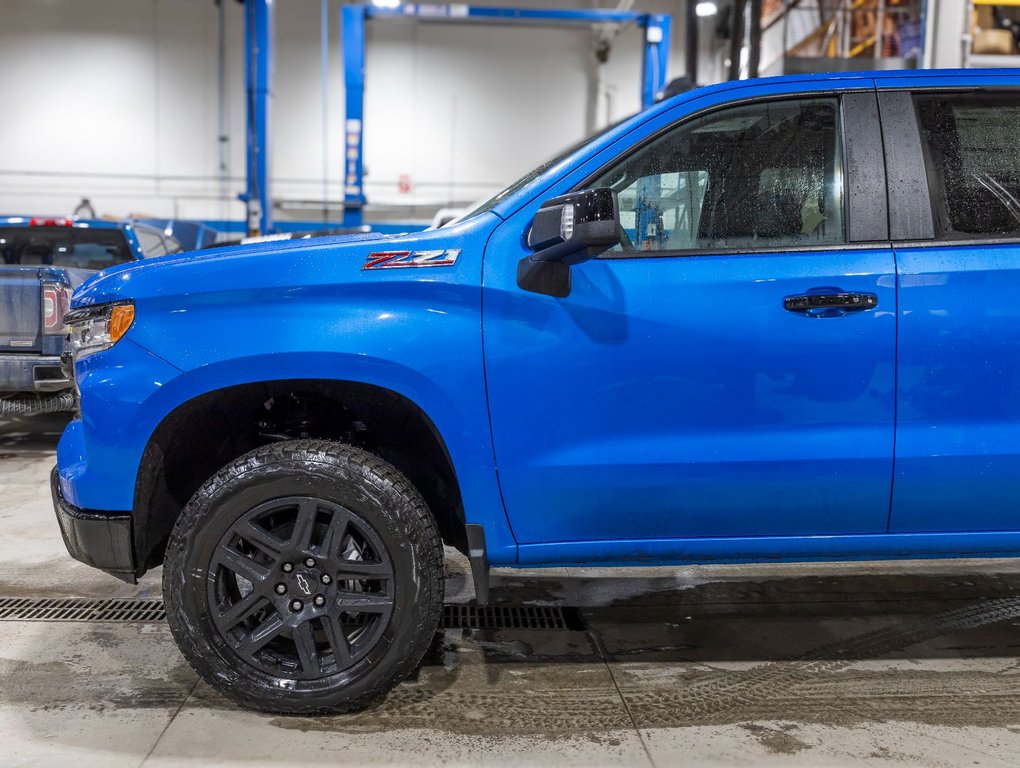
(296, 606)
(326, 579)
(281, 589)
(287, 567)
(310, 563)
(319, 600)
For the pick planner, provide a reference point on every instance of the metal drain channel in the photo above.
(123, 610)
(76, 609)
(510, 617)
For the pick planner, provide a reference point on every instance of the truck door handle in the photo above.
(835, 304)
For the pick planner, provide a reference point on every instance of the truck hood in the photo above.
(111, 284)
(286, 265)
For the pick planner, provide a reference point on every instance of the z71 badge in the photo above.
(400, 259)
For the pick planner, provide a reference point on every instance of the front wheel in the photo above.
(304, 577)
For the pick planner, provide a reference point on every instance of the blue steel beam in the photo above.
(456, 12)
(655, 62)
(353, 37)
(258, 75)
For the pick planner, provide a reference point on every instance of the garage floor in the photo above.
(904, 664)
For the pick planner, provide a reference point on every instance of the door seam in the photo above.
(896, 312)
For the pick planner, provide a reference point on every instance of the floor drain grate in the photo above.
(116, 609)
(511, 617)
(79, 609)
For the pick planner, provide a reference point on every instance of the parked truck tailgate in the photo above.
(21, 308)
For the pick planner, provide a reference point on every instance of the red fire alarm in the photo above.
(404, 183)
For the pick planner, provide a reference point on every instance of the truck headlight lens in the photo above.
(93, 329)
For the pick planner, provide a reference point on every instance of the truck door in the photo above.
(956, 228)
(728, 370)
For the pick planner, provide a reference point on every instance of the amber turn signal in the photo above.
(120, 320)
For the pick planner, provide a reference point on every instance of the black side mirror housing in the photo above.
(568, 230)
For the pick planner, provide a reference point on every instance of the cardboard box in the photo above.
(994, 41)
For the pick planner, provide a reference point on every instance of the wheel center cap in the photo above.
(305, 583)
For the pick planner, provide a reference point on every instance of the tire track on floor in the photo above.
(732, 696)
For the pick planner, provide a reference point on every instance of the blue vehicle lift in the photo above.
(656, 29)
(258, 78)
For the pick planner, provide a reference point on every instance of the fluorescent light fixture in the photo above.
(386, 3)
(706, 9)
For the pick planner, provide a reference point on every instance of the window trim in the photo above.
(968, 243)
(859, 202)
(867, 195)
(743, 251)
(910, 211)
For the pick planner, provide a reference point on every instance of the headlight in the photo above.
(93, 329)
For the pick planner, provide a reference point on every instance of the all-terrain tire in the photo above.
(220, 544)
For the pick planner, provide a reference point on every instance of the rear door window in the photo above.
(972, 151)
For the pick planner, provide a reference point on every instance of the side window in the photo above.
(173, 245)
(756, 176)
(151, 242)
(972, 150)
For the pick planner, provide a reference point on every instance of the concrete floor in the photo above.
(900, 664)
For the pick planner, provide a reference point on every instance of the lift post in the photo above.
(353, 37)
(655, 59)
(258, 77)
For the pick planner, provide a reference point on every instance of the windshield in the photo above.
(74, 247)
(532, 175)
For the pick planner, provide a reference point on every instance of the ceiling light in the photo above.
(706, 9)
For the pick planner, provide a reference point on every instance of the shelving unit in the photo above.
(821, 35)
(971, 59)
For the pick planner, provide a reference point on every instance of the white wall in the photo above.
(117, 100)
(111, 99)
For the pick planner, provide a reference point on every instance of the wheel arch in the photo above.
(179, 456)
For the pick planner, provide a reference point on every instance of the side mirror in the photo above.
(568, 230)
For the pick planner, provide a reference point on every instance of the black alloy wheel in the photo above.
(301, 587)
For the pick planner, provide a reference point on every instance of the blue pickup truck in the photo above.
(42, 260)
(762, 321)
